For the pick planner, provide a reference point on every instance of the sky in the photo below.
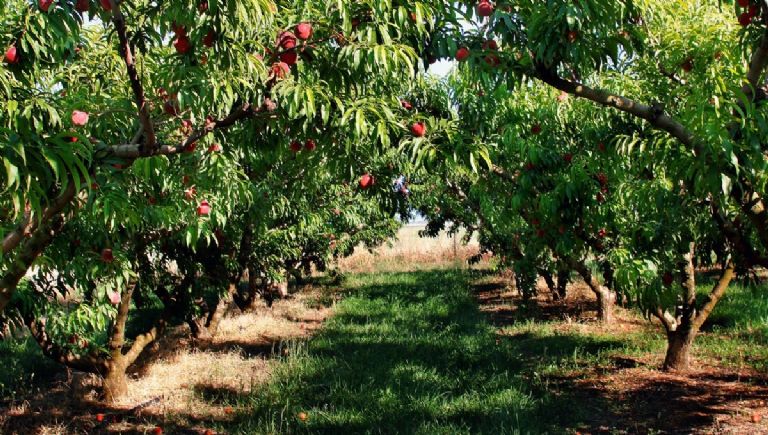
(441, 68)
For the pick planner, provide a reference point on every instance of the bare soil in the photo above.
(711, 398)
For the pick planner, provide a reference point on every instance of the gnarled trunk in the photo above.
(206, 326)
(550, 281)
(115, 383)
(679, 345)
(685, 325)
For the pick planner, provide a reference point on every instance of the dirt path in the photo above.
(711, 398)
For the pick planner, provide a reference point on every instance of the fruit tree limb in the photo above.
(25, 227)
(133, 76)
(757, 65)
(653, 114)
(30, 250)
(29, 225)
(134, 151)
(714, 296)
(664, 317)
(89, 362)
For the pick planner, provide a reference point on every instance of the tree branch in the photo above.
(133, 76)
(31, 249)
(665, 321)
(653, 114)
(134, 151)
(90, 362)
(28, 225)
(757, 65)
(714, 296)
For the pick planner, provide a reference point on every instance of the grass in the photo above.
(411, 252)
(24, 368)
(737, 331)
(412, 353)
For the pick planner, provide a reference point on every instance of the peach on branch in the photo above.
(418, 129)
(484, 8)
(204, 209)
(11, 55)
(304, 31)
(45, 5)
(107, 256)
(280, 70)
(79, 118)
(286, 41)
(182, 44)
(462, 54)
(366, 181)
(209, 39)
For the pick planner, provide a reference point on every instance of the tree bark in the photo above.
(115, 383)
(30, 250)
(679, 343)
(550, 282)
(606, 299)
(683, 329)
(563, 276)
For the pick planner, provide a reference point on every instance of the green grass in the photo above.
(412, 353)
(24, 368)
(737, 331)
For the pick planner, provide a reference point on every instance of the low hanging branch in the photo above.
(754, 207)
(90, 362)
(30, 250)
(134, 151)
(29, 224)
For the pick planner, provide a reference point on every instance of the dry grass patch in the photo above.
(410, 252)
(179, 385)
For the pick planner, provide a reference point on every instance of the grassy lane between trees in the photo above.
(405, 352)
(434, 351)
(416, 353)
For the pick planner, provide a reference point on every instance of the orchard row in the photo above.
(584, 139)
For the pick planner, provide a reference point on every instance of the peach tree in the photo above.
(692, 75)
(130, 124)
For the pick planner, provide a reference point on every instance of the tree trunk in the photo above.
(550, 282)
(30, 249)
(682, 330)
(679, 344)
(606, 299)
(562, 283)
(206, 326)
(115, 384)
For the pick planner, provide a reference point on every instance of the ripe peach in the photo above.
(204, 209)
(484, 8)
(304, 31)
(462, 54)
(79, 118)
(418, 129)
(11, 55)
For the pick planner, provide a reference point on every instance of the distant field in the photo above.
(411, 252)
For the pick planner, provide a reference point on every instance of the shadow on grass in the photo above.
(412, 353)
